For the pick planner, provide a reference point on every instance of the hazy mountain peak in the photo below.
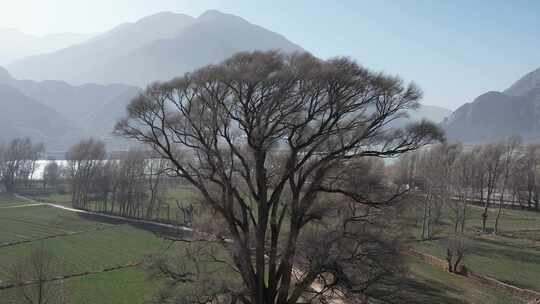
(157, 47)
(219, 18)
(156, 26)
(163, 17)
(212, 13)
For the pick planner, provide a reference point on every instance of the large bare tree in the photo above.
(524, 181)
(84, 161)
(491, 160)
(266, 139)
(511, 153)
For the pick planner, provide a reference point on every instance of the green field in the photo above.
(433, 285)
(512, 256)
(81, 244)
(88, 244)
(123, 286)
(90, 251)
(31, 223)
(55, 198)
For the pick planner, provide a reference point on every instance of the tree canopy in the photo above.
(269, 140)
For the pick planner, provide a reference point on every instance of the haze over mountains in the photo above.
(79, 87)
(495, 115)
(157, 47)
(21, 116)
(430, 112)
(16, 44)
(82, 89)
(59, 113)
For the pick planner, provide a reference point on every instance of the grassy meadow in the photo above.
(81, 244)
(86, 244)
(511, 256)
(434, 285)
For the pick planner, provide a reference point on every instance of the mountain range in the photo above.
(82, 89)
(58, 113)
(495, 115)
(158, 47)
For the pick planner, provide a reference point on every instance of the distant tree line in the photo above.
(132, 184)
(503, 174)
(18, 162)
(449, 176)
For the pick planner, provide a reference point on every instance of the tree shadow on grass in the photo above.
(411, 291)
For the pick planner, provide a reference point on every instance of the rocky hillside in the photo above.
(495, 115)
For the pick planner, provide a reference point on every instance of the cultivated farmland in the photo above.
(511, 256)
(87, 245)
(84, 246)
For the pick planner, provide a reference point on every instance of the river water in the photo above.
(40, 167)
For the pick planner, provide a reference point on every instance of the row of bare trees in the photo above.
(133, 184)
(498, 175)
(18, 160)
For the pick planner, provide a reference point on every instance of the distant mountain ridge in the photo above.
(81, 111)
(157, 47)
(16, 44)
(81, 83)
(21, 116)
(73, 63)
(495, 115)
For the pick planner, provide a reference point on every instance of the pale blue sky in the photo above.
(455, 50)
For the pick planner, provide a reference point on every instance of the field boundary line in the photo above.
(73, 275)
(65, 234)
